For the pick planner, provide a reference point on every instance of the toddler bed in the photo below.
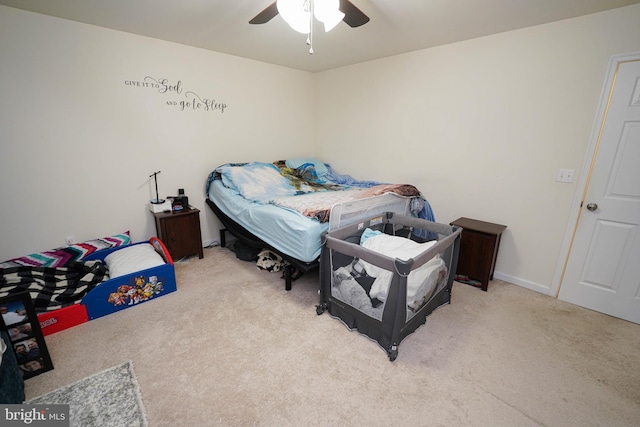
(86, 281)
(286, 206)
(381, 281)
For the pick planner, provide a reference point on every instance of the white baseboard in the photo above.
(521, 282)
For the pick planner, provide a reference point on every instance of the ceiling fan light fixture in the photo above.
(328, 12)
(296, 13)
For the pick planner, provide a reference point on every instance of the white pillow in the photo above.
(131, 259)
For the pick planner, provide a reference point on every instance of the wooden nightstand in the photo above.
(180, 232)
(479, 245)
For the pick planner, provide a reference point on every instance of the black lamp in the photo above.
(157, 200)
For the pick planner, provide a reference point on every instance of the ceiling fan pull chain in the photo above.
(310, 37)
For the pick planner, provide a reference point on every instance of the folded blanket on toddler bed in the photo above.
(52, 288)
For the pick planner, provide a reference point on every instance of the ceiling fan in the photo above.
(353, 16)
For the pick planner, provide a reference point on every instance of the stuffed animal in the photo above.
(269, 261)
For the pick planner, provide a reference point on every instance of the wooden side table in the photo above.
(180, 232)
(479, 245)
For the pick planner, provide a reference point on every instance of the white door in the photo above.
(603, 268)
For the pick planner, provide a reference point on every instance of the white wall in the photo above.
(77, 143)
(482, 127)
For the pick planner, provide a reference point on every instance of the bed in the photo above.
(381, 281)
(286, 206)
(82, 282)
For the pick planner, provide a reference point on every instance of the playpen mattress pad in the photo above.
(286, 230)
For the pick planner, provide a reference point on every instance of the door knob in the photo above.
(592, 206)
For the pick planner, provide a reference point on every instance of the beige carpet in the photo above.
(232, 347)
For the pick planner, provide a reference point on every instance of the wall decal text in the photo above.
(187, 100)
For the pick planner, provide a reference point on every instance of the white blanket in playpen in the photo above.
(421, 282)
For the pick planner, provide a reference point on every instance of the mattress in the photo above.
(288, 231)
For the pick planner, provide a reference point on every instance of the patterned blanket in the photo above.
(52, 288)
(302, 189)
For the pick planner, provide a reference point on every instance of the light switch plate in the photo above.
(565, 175)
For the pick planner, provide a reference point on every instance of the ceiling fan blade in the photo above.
(353, 16)
(266, 15)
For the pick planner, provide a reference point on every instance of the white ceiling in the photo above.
(396, 26)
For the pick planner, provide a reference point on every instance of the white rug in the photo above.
(108, 398)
